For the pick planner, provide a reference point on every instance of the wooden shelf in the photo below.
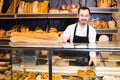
(6, 16)
(49, 15)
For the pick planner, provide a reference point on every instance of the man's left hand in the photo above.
(94, 60)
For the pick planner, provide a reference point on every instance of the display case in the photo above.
(57, 60)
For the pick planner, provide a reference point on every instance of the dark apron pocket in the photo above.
(82, 61)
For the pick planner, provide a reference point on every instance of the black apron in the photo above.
(83, 56)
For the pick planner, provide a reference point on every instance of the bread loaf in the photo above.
(1, 5)
(35, 6)
(45, 7)
(2, 33)
(28, 7)
(21, 8)
(104, 3)
(53, 11)
(111, 25)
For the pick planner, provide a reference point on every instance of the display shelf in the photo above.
(99, 46)
(31, 16)
(62, 15)
(103, 10)
(58, 15)
(49, 15)
(106, 31)
(6, 16)
(66, 70)
(4, 60)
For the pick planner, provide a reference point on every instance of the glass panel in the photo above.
(29, 63)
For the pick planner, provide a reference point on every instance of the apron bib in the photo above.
(83, 56)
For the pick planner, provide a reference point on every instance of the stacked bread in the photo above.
(2, 33)
(45, 76)
(111, 24)
(38, 35)
(87, 73)
(12, 8)
(104, 3)
(66, 9)
(1, 5)
(34, 7)
(102, 24)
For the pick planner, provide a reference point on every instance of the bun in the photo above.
(88, 73)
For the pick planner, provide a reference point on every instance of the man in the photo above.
(82, 32)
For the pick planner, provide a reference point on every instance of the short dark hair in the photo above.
(84, 8)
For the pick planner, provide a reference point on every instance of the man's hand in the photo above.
(94, 60)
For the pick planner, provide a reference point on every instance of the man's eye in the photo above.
(81, 15)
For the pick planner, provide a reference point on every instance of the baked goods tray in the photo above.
(73, 77)
(3, 68)
(69, 70)
(4, 63)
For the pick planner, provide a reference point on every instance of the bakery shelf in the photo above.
(58, 15)
(65, 15)
(4, 60)
(6, 16)
(106, 31)
(25, 16)
(62, 15)
(66, 70)
(103, 10)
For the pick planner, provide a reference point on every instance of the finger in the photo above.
(90, 62)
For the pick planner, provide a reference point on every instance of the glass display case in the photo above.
(38, 61)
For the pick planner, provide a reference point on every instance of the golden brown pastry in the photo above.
(2, 33)
(73, 78)
(44, 76)
(104, 3)
(81, 73)
(21, 8)
(88, 73)
(1, 5)
(35, 6)
(63, 11)
(56, 77)
(53, 11)
(111, 25)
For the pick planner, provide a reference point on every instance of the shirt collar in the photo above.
(82, 27)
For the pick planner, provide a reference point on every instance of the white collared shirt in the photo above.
(69, 33)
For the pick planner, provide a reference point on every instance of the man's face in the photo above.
(83, 17)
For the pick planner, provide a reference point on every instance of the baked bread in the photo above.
(103, 38)
(73, 78)
(44, 76)
(56, 77)
(35, 6)
(21, 8)
(88, 73)
(63, 11)
(53, 11)
(104, 3)
(111, 25)
(1, 5)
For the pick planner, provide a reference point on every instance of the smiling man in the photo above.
(82, 32)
